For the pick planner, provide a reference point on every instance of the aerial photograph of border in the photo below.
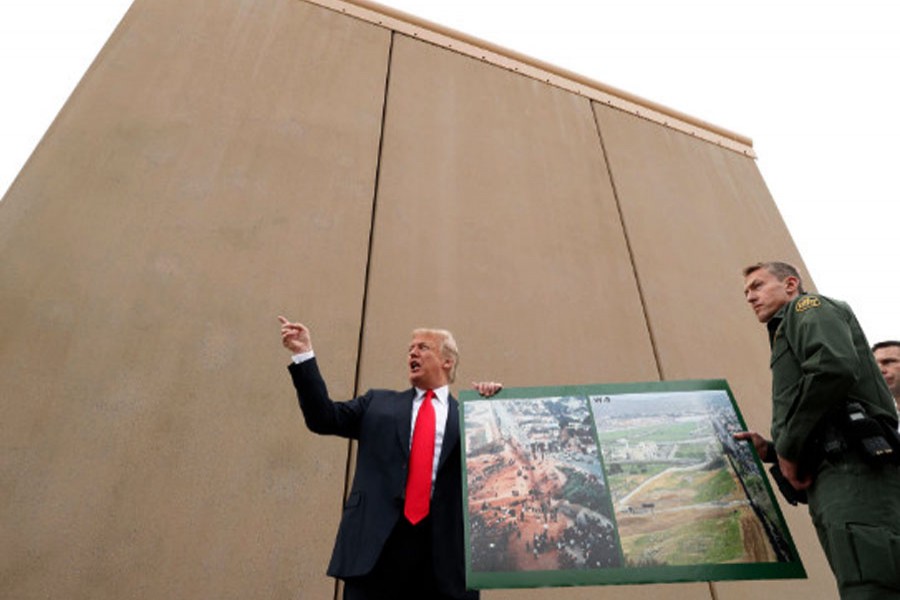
(684, 491)
(615, 484)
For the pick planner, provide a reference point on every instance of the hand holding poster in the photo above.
(615, 484)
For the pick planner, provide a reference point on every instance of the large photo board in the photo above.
(616, 484)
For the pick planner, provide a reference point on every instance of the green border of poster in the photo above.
(621, 569)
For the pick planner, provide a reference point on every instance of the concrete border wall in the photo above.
(225, 162)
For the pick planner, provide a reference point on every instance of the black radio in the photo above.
(877, 443)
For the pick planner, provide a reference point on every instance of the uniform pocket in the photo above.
(865, 554)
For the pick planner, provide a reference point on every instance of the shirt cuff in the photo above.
(302, 357)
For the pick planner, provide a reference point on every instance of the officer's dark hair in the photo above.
(886, 344)
(781, 271)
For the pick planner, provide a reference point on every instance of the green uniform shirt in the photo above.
(820, 360)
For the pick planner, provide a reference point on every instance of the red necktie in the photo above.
(421, 462)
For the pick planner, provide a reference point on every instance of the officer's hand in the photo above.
(759, 442)
(792, 474)
(295, 336)
(487, 388)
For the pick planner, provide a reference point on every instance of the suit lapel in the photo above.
(451, 431)
(404, 421)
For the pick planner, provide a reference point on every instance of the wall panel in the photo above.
(496, 219)
(215, 168)
(492, 211)
(695, 215)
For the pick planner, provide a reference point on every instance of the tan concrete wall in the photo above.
(215, 168)
(225, 162)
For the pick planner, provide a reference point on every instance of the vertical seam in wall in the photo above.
(365, 295)
(634, 268)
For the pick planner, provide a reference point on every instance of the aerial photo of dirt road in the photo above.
(537, 495)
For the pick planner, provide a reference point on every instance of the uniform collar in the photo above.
(777, 319)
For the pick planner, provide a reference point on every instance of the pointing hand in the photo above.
(295, 336)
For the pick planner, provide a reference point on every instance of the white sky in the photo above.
(813, 83)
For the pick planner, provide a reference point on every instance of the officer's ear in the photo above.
(791, 285)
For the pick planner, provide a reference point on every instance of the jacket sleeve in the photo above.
(820, 336)
(323, 415)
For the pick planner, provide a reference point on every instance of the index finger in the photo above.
(283, 320)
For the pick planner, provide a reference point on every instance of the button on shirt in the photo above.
(441, 404)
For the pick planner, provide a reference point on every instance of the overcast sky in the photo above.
(813, 83)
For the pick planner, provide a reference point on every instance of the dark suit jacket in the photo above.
(381, 420)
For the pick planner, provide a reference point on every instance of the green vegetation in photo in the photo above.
(711, 541)
(629, 476)
(644, 550)
(581, 490)
(696, 451)
(719, 487)
(661, 432)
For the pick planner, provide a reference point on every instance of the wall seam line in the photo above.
(366, 275)
(634, 268)
(348, 467)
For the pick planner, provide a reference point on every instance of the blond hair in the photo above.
(448, 347)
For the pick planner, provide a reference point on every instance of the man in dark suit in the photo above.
(395, 542)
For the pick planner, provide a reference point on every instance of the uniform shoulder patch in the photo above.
(807, 303)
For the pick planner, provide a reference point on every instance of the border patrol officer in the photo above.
(832, 423)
